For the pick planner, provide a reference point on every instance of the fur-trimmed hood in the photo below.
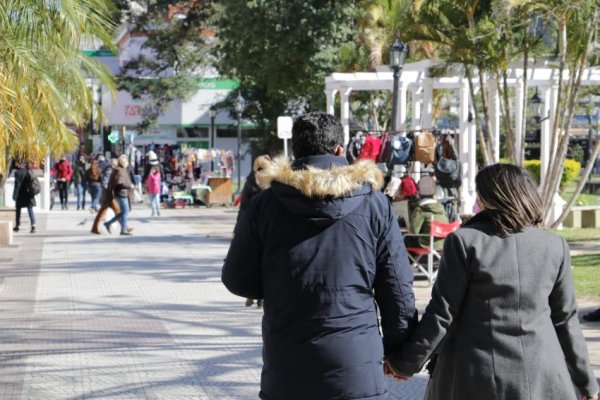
(320, 188)
(337, 181)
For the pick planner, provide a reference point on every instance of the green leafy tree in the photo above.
(178, 49)
(281, 52)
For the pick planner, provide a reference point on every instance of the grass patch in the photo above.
(586, 275)
(579, 234)
(583, 199)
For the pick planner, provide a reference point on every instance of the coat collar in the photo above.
(321, 176)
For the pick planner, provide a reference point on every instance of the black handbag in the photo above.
(448, 171)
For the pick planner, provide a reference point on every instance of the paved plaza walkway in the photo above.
(141, 317)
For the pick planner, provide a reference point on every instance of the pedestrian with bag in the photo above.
(322, 247)
(80, 181)
(502, 321)
(93, 178)
(120, 186)
(25, 190)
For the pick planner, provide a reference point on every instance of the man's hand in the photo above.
(390, 372)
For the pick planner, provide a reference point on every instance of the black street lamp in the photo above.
(212, 113)
(240, 104)
(536, 106)
(397, 58)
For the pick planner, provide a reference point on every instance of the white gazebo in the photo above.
(417, 80)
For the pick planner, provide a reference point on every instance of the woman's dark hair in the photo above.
(509, 194)
(316, 133)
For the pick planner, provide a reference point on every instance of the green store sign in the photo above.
(218, 84)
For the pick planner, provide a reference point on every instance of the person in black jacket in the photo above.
(322, 247)
(250, 189)
(24, 195)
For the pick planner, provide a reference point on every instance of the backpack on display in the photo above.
(401, 150)
(408, 187)
(448, 169)
(385, 150)
(353, 150)
(426, 186)
(370, 149)
(425, 148)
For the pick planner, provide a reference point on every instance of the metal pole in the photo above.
(395, 98)
(212, 143)
(239, 153)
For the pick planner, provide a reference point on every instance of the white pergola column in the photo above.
(345, 111)
(416, 108)
(330, 96)
(427, 103)
(519, 105)
(401, 116)
(545, 135)
(494, 108)
(467, 197)
(45, 203)
(416, 124)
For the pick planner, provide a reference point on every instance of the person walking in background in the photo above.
(152, 161)
(24, 194)
(250, 189)
(93, 178)
(153, 186)
(120, 186)
(80, 181)
(502, 320)
(63, 171)
(323, 248)
(107, 199)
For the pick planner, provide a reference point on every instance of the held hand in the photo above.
(391, 373)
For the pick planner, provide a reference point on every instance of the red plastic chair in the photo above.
(438, 230)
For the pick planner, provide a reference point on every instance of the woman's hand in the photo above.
(594, 397)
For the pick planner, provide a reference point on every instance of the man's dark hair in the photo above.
(316, 133)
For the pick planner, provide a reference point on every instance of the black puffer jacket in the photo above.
(323, 249)
(23, 191)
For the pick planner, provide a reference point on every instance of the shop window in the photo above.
(192, 132)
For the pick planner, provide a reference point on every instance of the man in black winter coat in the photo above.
(322, 247)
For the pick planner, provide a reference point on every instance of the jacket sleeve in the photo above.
(564, 317)
(241, 272)
(444, 307)
(393, 286)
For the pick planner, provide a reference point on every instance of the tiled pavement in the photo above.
(141, 317)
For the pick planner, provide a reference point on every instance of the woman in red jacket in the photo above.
(63, 172)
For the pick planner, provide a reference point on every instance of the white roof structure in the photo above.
(416, 78)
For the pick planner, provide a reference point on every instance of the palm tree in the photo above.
(44, 72)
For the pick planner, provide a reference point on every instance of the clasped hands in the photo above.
(389, 371)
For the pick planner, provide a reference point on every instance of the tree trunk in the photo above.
(486, 116)
(557, 162)
(508, 131)
(482, 142)
(580, 186)
(521, 156)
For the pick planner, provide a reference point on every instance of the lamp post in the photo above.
(212, 112)
(397, 57)
(240, 104)
(536, 105)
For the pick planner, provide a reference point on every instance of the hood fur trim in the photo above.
(315, 182)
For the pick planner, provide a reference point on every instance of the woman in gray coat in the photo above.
(502, 320)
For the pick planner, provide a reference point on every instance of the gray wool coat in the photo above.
(502, 320)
